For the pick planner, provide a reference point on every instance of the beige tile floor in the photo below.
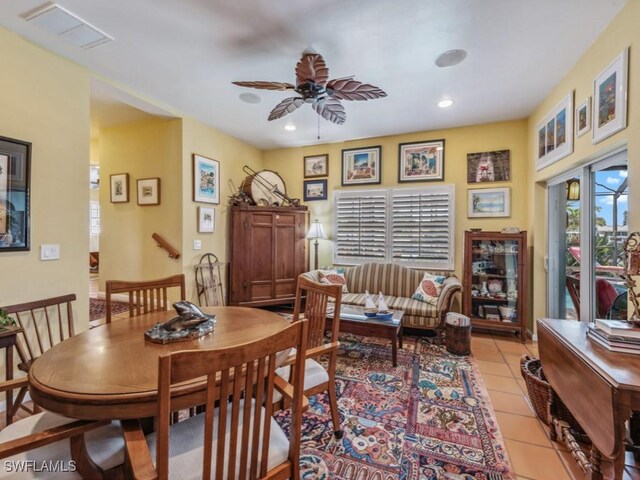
(533, 456)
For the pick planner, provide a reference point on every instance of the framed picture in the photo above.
(488, 166)
(316, 166)
(555, 134)
(206, 179)
(15, 161)
(206, 219)
(421, 161)
(610, 99)
(315, 190)
(149, 191)
(361, 166)
(489, 202)
(119, 188)
(583, 118)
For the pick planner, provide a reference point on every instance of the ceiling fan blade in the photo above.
(331, 109)
(312, 67)
(266, 85)
(349, 89)
(285, 107)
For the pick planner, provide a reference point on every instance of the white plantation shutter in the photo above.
(411, 226)
(422, 223)
(360, 226)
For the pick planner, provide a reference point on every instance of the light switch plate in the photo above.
(50, 252)
(197, 244)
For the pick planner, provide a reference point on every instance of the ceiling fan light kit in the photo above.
(314, 87)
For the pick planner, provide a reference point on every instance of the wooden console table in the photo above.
(600, 388)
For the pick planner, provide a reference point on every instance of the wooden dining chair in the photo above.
(44, 323)
(312, 301)
(237, 439)
(144, 296)
(48, 440)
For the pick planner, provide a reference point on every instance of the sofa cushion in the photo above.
(414, 307)
(333, 277)
(429, 288)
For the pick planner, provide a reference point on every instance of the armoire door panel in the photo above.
(261, 263)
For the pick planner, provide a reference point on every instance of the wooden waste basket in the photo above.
(457, 331)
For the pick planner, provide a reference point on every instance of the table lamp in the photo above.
(315, 232)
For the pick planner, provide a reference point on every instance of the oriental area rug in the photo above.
(428, 418)
(98, 308)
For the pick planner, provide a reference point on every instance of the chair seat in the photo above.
(105, 446)
(186, 449)
(314, 375)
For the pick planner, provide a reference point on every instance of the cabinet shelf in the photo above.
(480, 262)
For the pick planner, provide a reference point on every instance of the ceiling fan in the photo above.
(313, 86)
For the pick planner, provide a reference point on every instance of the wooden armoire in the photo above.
(268, 252)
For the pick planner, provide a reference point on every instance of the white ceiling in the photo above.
(186, 53)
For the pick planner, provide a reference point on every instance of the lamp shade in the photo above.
(573, 189)
(316, 230)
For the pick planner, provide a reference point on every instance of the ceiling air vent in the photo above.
(60, 22)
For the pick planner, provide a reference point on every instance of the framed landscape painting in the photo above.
(610, 99)
(489, 202)
(361, 166)
(315, 190)
(555, 134)
(488, 166)
(206, 179)
(421, 161)
(316, 166)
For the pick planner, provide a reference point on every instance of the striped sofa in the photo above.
(398, 283)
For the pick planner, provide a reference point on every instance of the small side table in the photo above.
(8, 339)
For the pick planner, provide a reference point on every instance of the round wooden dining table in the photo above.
(111, 372)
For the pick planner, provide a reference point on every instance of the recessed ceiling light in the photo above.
(445, 103)
(289, 128)
(451, 58)
(250, 97)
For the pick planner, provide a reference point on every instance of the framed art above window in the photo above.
(554, 137)
(421, 161)
(361, 166)
(15, 162)
(610, 99)
(583, 117)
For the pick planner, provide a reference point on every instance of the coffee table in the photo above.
(353, 320)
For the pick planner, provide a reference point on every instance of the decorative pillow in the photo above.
(333, 277)
(429, 288)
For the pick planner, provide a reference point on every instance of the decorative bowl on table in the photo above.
(385, 315)
(370, 312)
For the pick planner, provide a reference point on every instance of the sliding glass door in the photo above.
(587, 228)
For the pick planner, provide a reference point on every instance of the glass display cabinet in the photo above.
(494, 272)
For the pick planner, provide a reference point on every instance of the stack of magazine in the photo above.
(615, 335)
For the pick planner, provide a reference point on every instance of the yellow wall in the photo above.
(232, 155)
(44, 100)
(458, 143)
(622, 32)
(146, 149)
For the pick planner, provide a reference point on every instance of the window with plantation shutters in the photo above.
(360, 226)
(421, 228)
(411, 226)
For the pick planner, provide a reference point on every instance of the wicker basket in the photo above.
(541, 393)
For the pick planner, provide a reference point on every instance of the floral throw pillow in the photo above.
(333, 277)
(429, 288)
